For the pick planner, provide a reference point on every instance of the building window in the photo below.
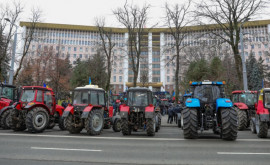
(114, 78)
(120, 71)
(156, 65)
(80, 55)
(168, 71)
(246, 53)
(74, 55)
(63, 48)
(266, 45)
(69, 49)
(156, 79)
(120, 86)
(75, 49)
(114, 71)
(260, 53)
(81, 49)
(259, 45)
(267, 60)
(120, 78)
(246, 46)
(252, 46)
(168, 78)
(86, 56)
(168, 57)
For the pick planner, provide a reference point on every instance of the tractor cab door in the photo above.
(48, 100)
(235, 98)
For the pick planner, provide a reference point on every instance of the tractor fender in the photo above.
(124, 111)
(114, 118)
(241, 106)
(264, 117)
(223, 103)
(5, 108)
(69, 109)
(261, 109)
(86, 111)
(59, 109)
(192, 103)
(29, 107)
(149, 111)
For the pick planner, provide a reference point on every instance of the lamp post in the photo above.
(11, 71)
(243, 57)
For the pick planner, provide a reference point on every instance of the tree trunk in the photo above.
(238, 64)
(109, 75)
(176, 76)
(135, 78)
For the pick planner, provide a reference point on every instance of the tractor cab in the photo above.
(7, 95)
(249, 98)
(139, 98)
(266, 98)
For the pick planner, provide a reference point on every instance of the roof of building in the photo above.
(124, 30)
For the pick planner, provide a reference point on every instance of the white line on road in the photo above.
(125, 138)
(64, 149)
(241, 153)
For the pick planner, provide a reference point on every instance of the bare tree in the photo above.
(107, 45)
(11, 13)
(134, 19)
(28, 38)
(177, 18)
(229, 15)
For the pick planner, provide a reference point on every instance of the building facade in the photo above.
(80, 42)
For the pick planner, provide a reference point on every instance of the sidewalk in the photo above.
(165, 124)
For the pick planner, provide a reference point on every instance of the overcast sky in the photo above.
(83, 12)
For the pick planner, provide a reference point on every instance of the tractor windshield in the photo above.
(115, 97)
(248, 98)
(137, 98)
(207, 93)
(7, 92)
(28, 95)
(80, 97)
(267, 99)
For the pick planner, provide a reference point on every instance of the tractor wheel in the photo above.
(61, 123)
(5, 119)
(117, 125)
(37, 120)
(16, 122)
(229, 124)
(126, 130)
(261, 127)
(107, 125)
(94, 122)
(190, 123)
(242, 119)
(253, 126)
(151, 127)
(69, 122)
(158, 122)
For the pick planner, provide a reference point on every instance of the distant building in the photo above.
(75, 41)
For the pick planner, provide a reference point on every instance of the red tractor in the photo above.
(36, 110)
(89, 111)
(244, 102)
(140, 113)
(7, 97)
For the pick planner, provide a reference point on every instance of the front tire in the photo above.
(126, 130)
(151, 127)
(242, 119)
(117, 125)
(5, 119)
(190, 123)
(61, 123)
(261, 127)
(229, 124)
(94, 122)
(70, 125)
(16, 122)
(37, 120)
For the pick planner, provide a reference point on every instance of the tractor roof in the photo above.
(242, 91)
(37, 87)
(89, 87)
(266, 89)
(187, 95)
(139, 89)
(164, 99)
(7, 85)
(206, 82)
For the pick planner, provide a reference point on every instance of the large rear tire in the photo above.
(151, 127)
(61, 123)
(94, 122)
(228, 124)
(51, 124)
(70, 125)
(5, 119)
(242, 119)
(190, 123)
(261, 127)
(16, 122)
(126, 130)
(37, 120)
(117, 125)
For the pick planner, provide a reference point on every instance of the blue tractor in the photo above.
(209, 109)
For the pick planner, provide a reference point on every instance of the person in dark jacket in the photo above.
(170, 114)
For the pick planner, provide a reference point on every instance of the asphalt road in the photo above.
(55, 147)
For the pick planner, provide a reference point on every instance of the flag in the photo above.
(90, 81)
(44, 85)
(173, 93)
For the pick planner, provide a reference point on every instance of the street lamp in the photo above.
(11, 71)
(243, 56)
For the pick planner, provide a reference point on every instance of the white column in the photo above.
(125, 62)
(150, 49)
(162, 61)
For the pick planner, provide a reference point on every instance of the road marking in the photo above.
(64, 149)
(127, 138)
(241, 153)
